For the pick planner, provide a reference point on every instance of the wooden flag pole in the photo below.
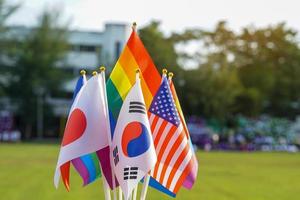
(102, 70)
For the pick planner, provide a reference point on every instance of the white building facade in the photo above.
(88, 50)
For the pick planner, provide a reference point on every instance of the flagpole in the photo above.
(145, 187)
(120, 194)
(135, 192)
(102, 70)
(105, 185)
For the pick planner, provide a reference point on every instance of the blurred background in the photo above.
(236, 66)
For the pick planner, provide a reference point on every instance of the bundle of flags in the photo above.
(128, 128)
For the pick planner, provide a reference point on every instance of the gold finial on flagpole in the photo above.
(82, 72)
(94, 73)
(164, 71)
(170, 74)
(134, 26)
(137, 74)
(102, 68)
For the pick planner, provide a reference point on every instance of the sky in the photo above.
(175, 15)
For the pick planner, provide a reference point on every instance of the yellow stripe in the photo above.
(120, 80)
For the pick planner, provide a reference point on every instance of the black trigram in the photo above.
(137, 107)
(116, 155)
(130, 173)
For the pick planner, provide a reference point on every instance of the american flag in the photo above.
(173, 150)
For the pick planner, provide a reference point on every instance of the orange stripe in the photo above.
(166, 142)
(146, 93)
(177, 163)
(174, 149)
(183, 176)
(128, 64)
(144, 61)
(65, 174)
(153, 125)
(168, 160)
(155, 170)
(160, 132)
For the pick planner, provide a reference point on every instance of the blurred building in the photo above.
(88, 50)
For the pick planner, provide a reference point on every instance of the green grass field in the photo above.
(26, 173)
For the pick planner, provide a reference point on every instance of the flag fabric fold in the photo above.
(133, 150)
(85, 134)
(191, 178)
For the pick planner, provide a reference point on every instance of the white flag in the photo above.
(132, 150)
(86, 129)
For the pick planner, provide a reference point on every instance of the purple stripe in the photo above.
(191, 178)
(82, 170)
(103, 155)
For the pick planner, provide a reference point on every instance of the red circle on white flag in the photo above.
(75, 127)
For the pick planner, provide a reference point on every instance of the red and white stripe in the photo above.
(174, 155)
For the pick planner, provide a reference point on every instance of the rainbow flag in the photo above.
(122, 78)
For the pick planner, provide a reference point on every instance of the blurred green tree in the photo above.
(263, 64)
(37, 73)
(160, 47)
(5, 43)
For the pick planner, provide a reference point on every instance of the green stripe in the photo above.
(114, 99)
(96, 164)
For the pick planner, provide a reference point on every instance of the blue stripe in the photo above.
(79, 84)
(112, 123)
(89, 164)
(153, 183)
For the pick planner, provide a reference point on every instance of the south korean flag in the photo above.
(133, 150)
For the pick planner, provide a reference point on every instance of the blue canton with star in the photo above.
(163, 104)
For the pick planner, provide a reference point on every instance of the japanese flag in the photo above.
(86, 129)
(132, 151)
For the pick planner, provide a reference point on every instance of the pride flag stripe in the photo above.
(82, 170)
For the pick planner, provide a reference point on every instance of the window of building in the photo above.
(117, 49)
(84, 48)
